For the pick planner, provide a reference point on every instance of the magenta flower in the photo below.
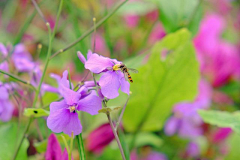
(100, 138)
(221, 134)
(186, 122)
(6, 107)
(63, 114)
(54, 151)
(3, 55)
(112, 78)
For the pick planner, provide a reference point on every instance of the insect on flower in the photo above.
(125, 71)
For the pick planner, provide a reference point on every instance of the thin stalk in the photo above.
(46, 65)
(89, 31)
(39, 11)
(116, 136)
(81, 147)
(111, 123)
(17, 78)
(22, 138)
(71, 146)
(65, 143)
(57, 18)
(121, 115)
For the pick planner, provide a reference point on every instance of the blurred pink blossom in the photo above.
(99, 138)
(221, 134)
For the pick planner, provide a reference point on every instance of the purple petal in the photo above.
(91, 104)
(97, 63)
(48, 88)
(53, 148)
(109, 84)
(23, 65)
(73, 125)
(171, 126)
(125, 86)
(58, 120)
(89, 54)
(56, 77)
(71, 97)
(6, 110)
(4, 66)
(81, 57)
(3, 93)
(54, 106)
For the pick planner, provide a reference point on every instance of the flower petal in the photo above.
(97, 63)
(125, 86)
(81, 57)
(58, 120)
(71, 97)
(73, 125)
(91, 104)
(6, 111)
(54, 106)
(3, 93)
(109, 84)
(3, 50)
(53, 148)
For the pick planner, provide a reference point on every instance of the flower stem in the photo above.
(71, 147)
(121, 115)
(90, 30)
(111, 123)
(17, 78)
(81, 147)
(66, 145)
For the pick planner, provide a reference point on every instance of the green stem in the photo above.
(17, 78)
(81, 147)
(90, 30)
(45, 67)
(71, 147)
(65, 143)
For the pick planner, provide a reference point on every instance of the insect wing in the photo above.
(132, 70)
(126, 76)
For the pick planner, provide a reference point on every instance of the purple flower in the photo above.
(3, 55)
(150, 156)
(100, 138)
(186, 121)
(22, 59)
(112, 78)
(193, 149)
(6, 107)
(54, 151)
(63, 114)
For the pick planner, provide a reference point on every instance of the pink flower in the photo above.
(100, 138)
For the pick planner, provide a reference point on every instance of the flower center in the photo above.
(72, 109)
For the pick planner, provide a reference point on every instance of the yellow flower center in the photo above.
(116, 67)
(72, 108)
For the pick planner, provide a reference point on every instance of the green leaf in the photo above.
(233, 142)
(35, 112)
(182, 13)
(162, 82)
(146, 138)
(222, 119)
(9, 140)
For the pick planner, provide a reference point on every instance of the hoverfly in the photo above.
(125, 71)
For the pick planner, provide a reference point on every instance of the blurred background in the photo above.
(197, 42)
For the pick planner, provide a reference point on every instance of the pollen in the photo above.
(72, 108)
(116, 67)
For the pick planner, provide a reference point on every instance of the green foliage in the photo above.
(146, 138)
(161, 83)
(222, 119)
(9, 139)
(233, 141)
(182, 13)
(35, 112)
